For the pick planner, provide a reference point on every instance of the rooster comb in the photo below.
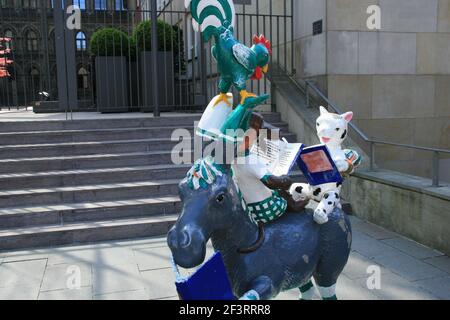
(262, 40)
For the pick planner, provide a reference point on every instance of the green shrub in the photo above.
(170, 38)
(110, 42)
(167, 39)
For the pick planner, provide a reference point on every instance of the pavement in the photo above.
(382, 265)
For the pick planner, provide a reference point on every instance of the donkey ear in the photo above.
(348, 116)
(323, 111)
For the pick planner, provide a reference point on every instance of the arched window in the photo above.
(100, 5)
(32, 41)
(81, 42)
(80, 3)
(83, 78)
(9, 34)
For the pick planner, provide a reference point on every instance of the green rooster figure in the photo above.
(236, 63)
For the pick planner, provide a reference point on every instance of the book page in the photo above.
(279, 156)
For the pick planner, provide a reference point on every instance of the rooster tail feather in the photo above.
(208, 16)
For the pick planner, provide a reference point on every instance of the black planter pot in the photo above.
(165, 80)
(111, 80)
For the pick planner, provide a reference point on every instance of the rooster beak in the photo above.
(265, 69)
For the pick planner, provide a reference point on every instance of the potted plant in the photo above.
(168, 44)
(110, 47)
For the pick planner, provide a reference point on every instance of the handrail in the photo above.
(363, 136)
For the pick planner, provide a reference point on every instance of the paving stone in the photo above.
(394, 287)
(14, 256)
(56, 277)
(96, 256)
(408, 267)
(19, 293)
(84, 293)
(159, 283)
(412, 248)
(348, 289)
(370, 247)
(440, 287)
(124, 295)
(149, 243)
(176, 298)
(374, 231)
(357, 266)
(153, 258)
(442, 263)
(116, 278)
(22, 273)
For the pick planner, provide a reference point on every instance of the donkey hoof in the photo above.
(320, 217)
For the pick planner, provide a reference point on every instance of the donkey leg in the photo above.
(307, 291)
(260, 289)
(328, 293)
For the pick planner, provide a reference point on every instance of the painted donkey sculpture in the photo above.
(286, 254)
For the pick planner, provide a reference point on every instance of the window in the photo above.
(30, 3)
(121, 5)
(80, 3)
(100, 4)
(9, 34)
(32, 41)
(81, 42)
(83, 78)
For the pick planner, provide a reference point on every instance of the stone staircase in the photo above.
(66, 182)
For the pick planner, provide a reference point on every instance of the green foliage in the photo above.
(110, 42)
(167, 39)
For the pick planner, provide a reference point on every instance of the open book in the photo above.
(315, 162)
(209, 282)
(279, 156)
(318, 166)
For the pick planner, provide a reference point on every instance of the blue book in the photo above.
(317, 166)
(209, 282)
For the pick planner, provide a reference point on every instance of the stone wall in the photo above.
(403, 204)
(396, 80)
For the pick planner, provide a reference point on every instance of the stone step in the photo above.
(96, 147)
(60, 214)
(75, 194)
(67, 178)
(66, 136)
(85, 148)
(92, 124)
(94, 161)
(44, 236)
(125, 122)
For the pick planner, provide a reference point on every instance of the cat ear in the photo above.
(323, 111)
(348, 116)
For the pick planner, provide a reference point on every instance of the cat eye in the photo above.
(337, 129)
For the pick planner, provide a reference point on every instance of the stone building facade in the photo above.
(31, 27)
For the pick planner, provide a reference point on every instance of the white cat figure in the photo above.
(332, 129)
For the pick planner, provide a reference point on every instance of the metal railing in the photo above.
(186, 72)
(309, 85)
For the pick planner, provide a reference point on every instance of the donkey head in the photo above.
(210, 203)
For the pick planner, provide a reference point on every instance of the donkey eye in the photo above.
(220, 198)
